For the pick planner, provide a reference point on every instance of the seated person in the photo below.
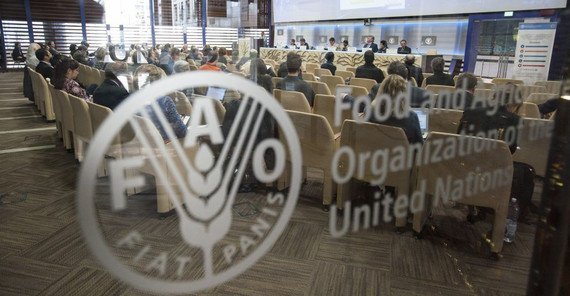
(223, 56)
(414, 71)
(333, 45)
(370, 44)
(383, 47)
(80, 55)
(438, 77)
(65, 73)
(154, 73)
(291, 44)
(329, 64)
(17, 53)
(283, 72)
(345, 45)
(112, 92)
(369, 70)
(468, 82)
(292, 82)
(258, 74)
(44, 67)
(211, 64)
(100, 54)
(393, 85)
(303, 44)
(404, 49)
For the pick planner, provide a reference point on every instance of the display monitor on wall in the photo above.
(312, 10)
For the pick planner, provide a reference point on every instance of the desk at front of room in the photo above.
(341, 58)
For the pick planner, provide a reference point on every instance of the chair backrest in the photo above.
(431, 52)
(65, 107)
(426, 75)
(320, 72)
(533, 146)
(485, 93)
(56, 103)
(277, 94)
(554, 87)
(371, 137)
(539, 98)
(444, 120)
(526, 90)
(316, 138)
(43, 95)
(320, 87)
(309, 77)
(438, 88)
(355, 91)
(81, 117)
(364, 82)
(295, 101)
(231, 95)
(351, 69)
(344, 74)
(275, 80)
(529, 110)
(332, 82)
(183, 105)
(310, 67)
(325, 105)
(501, 81)
(193, 68)
(82, 76)
(497, 160)
(486, 85)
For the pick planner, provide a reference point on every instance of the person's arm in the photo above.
(173, 118)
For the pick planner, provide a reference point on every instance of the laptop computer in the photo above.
(216, 92)
(424, 120)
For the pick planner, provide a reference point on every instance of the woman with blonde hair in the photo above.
(100, 54)
(390, 108)
(31, 59)
(145, 75)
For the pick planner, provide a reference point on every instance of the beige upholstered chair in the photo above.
(82, 76)
(332, 82)
(317, 147)
(539, 98)
(83, 131)
(320, 87)
(183, 105)
(368, 138)
(444, 120)
(351, 69)
(324, 105)
(309, 77)
(231, 95)
(277, 94)
(426, 75)
(365, 82)
(42, 95)
(275, 80)
(355, 91)
(57, 111)
(485, 93)
(529, 110)
(295, 101)
(67, 125)
(533, 144)
(501, 81)
(344, 74)
(436, 89)
(320, 72)
(526, 90)
(494, 172)
(486, 85)
(554, 87)
(194, 68)
(310, 67)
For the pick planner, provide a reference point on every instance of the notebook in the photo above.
(216, 92)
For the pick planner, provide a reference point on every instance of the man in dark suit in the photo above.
(370, 44)
(368, 70)
(403, 49)
(414, 71)
(438, 77)
(292, 82)
(329, 64)
(44, 67)
(112, 92)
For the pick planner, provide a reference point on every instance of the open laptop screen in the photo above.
(216, 92)
(423, 118)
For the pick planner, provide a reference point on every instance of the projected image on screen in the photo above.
(359, 4)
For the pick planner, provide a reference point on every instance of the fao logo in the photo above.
(208, 241)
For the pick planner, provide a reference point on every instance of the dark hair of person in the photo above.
(468, 79)
(294, 62)
(72, 48)
(331, 39)
(437, 65)
(17, 43)
(81, 47)
(257, 67)
(369, 57)
(61, 70)
(41, 53)
(345, 42)
(383, 42)
(403, 40)
(56, 59)
(174, 52)
(329, 56)
(302, 40)
(398, 68)
(222, 51)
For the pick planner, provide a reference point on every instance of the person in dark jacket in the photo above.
(292, 82)
(112, 92)
(414, 71)
(17, 53)
(438, 77)
(368, 70)
(258, 74)
(329, 64)
(44, 67)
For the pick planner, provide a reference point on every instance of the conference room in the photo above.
(222, 147)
